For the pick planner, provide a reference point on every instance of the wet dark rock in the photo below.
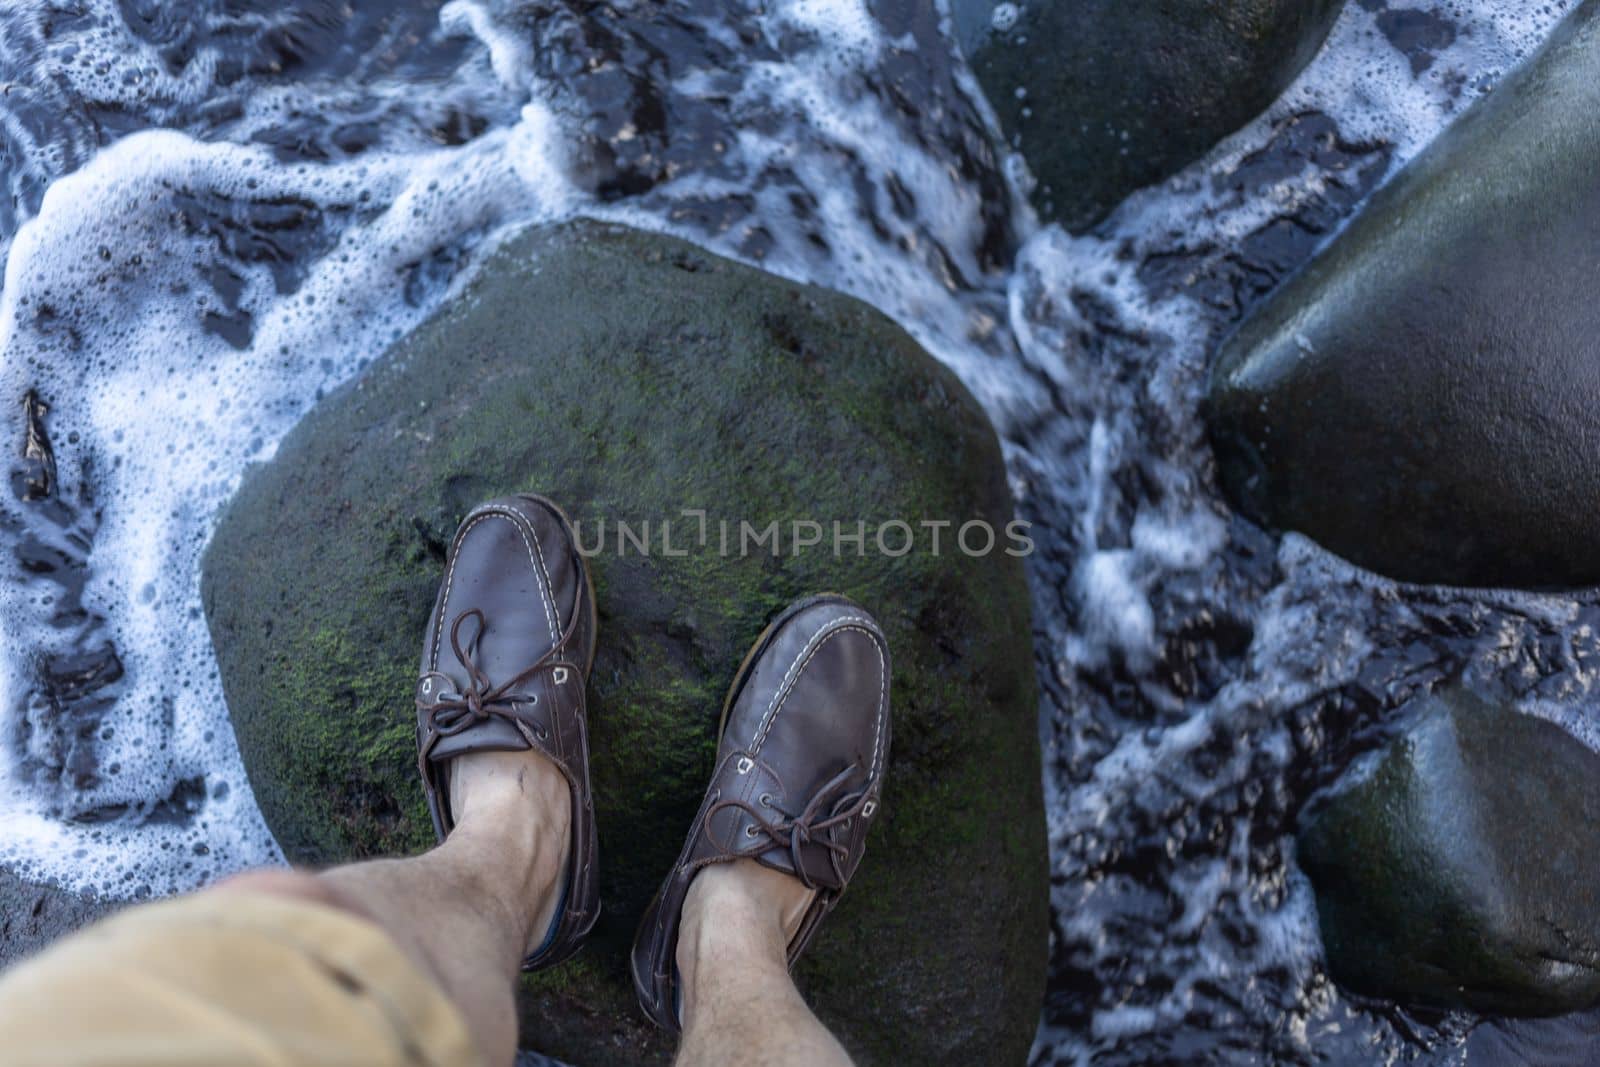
(1420, 399)
(1229, 280)
(632, 377)
(1569, 1041)
(1103, 97)
(648, 101)
(34, 915)
(35, 477)
(1420, 34)
(1463, 869)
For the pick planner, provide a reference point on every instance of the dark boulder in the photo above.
(1464, 869)
(1103, 97)
(1422, 398)
(633, 377)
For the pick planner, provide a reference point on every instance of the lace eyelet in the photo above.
(750, 831)
(541, 733)
(766, 800)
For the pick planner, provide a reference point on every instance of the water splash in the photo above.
(219, 213)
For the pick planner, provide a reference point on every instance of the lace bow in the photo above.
(450, 713)
(810, 827)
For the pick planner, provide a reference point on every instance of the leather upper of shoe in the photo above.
(506, 654)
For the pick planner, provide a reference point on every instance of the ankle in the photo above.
(513, 830)
(528, 834)
(741, 912)
(484, 780)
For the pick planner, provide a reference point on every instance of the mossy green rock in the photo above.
(633, 377)
(1464, 869)
(1103, 97)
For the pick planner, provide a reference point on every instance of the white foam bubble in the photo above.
(510, 54)
(847, 25)
(169, 413)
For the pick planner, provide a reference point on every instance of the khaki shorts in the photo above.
(224, 979)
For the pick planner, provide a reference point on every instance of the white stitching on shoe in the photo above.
(816, 639)
(804, 656)
(449, 580)
(549, 586)
(547, 593)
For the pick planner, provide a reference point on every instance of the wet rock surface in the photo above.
(632, 377)
(64, 101)
(1567, 1042)
(652, 95)
(1463, 868)
(1107, 96)
(1420, 399)
(32, 915)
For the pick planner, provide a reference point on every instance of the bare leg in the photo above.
(739, 1004)
(470, 910)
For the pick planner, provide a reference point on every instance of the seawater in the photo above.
(218, 212)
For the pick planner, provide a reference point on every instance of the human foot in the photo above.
(804, 740)
(505, 660)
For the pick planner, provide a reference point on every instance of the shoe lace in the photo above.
(828, 808)
(450, 713)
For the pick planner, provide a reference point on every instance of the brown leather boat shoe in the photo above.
(505, 664)
(804, 740)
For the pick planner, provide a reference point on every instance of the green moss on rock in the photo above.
(633, 377)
